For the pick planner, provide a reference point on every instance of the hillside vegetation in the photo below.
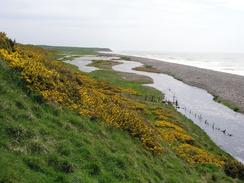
(5, 42)
(69, 53)
(61, 125)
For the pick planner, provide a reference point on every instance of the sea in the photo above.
(223, 62)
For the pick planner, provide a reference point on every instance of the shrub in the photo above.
(171, 132)
(5, 42)
(234, 169)
(193, 155)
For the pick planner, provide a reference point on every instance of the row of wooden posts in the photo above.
(200, 118)
(175, 102)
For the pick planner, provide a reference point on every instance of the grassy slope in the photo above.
(115, 79)
(46, 143)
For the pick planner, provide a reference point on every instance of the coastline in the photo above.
(220, 123)
(227, 88)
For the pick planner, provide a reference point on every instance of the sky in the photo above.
(150, 25)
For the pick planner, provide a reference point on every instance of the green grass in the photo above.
(103, 64)
(70, 53)
(125, 58)
(42, 142)
(115, 79)
(226, 103)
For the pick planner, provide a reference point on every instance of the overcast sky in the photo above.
(160, 25)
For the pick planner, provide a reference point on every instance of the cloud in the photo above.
(231, 4)
(128, 24)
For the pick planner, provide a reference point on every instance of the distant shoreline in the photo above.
(226, 88)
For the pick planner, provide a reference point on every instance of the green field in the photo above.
(70, 53)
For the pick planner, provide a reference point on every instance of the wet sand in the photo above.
(228, 87)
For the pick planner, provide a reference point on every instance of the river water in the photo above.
(224, 126)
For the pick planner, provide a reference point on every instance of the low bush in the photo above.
(234, 169)
(197, 155)
(6, 43)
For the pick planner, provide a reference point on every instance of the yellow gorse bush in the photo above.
(183, 143)
(171, 132)
(77, 91)
(197, 155)
(129, 91)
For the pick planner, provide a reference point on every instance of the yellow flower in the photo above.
(197, 155)
(77, 91)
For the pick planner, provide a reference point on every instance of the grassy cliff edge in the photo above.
(51, 130)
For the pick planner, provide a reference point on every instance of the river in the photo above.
(224, 126)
